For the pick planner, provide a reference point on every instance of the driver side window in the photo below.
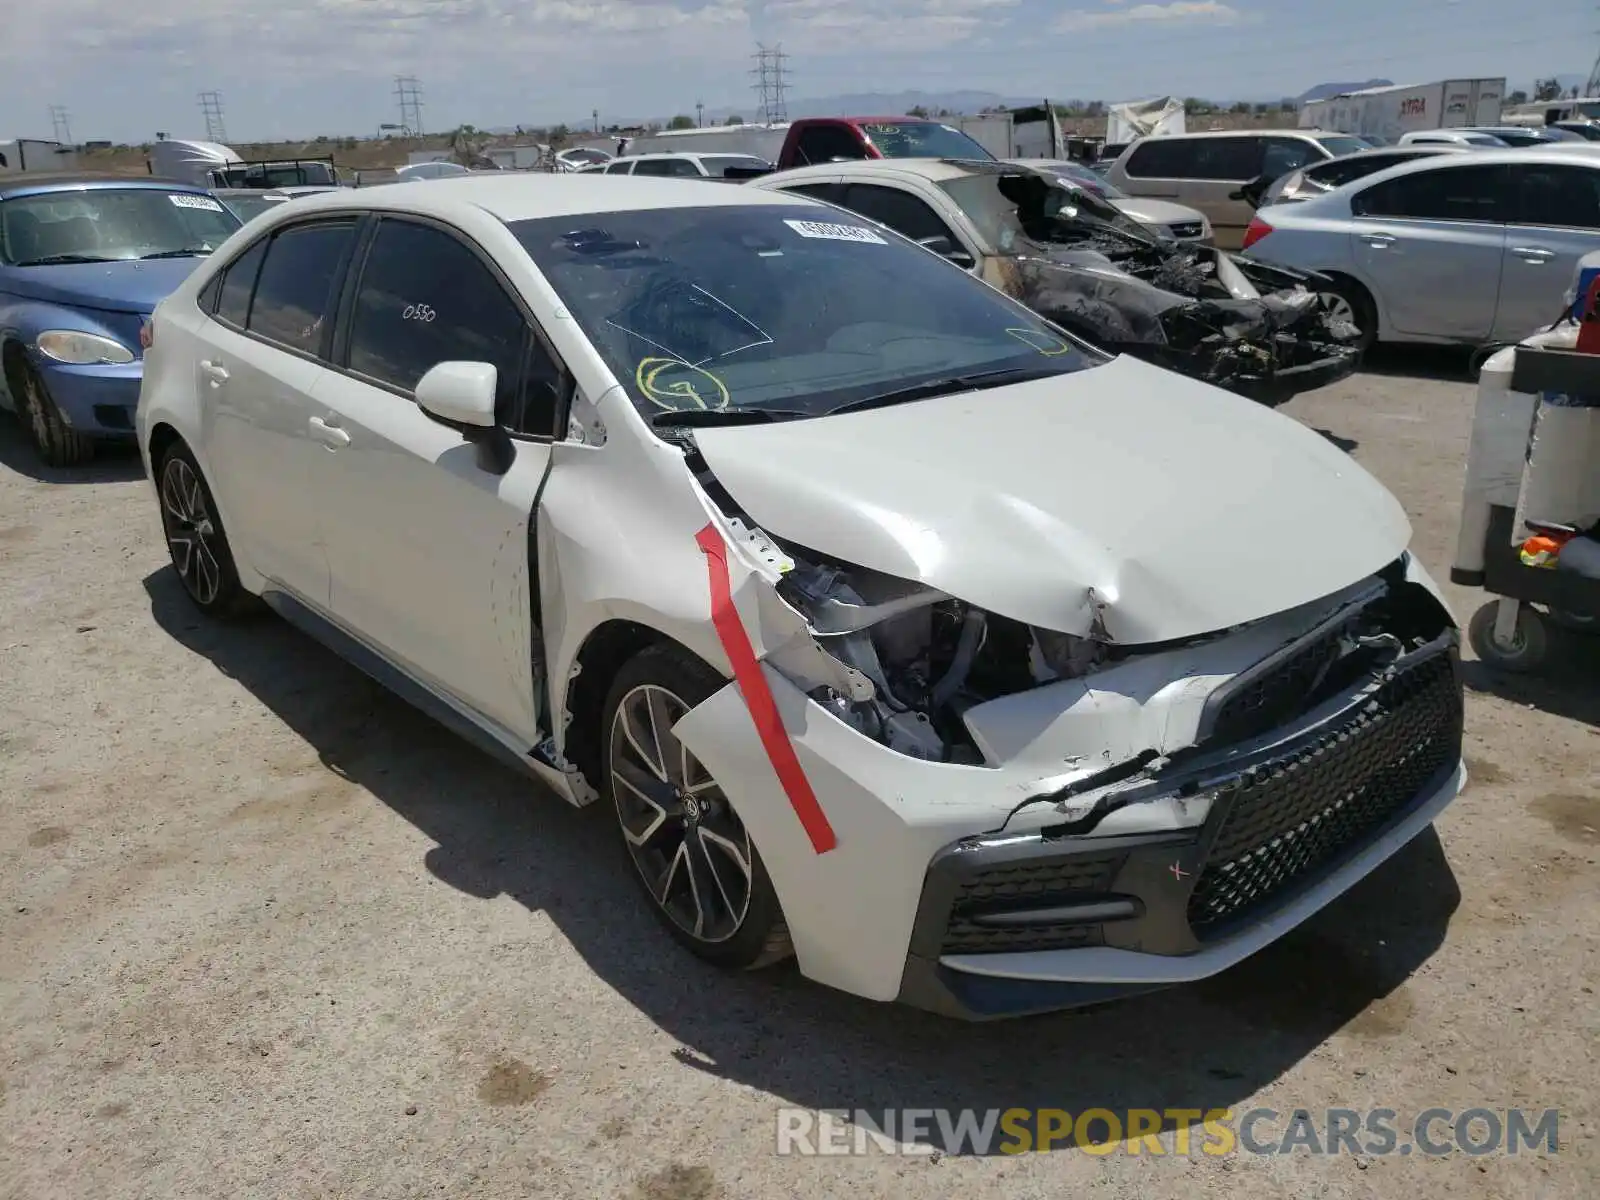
(902, 212)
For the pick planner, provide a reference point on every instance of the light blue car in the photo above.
(84, 259)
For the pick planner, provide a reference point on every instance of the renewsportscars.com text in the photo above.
(1177, 1132)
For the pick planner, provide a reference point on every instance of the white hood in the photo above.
(1162, 505)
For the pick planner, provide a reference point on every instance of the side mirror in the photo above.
(462, 395)
(945, 248)
(459, 393)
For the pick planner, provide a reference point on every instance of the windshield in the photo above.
(798, 309)
(1074, 175)
(246, 207)
(717, 165)
(1341, 145)
(1058, 212)
(110, 225)
(922, 139)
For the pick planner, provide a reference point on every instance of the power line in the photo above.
(58, 122)
(771, 83)
(211, 109)
(408, 91)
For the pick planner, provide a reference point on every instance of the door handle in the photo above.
(214, 371)
(1533, 254)
(330, 436)
(1378, 240)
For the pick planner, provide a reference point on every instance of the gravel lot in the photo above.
(265, 931)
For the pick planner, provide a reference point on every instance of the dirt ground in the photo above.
(267, 932)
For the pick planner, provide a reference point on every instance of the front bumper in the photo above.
(98, 399)
(1021, 924)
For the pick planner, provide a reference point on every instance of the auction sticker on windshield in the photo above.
(182, 200)
(835, 233)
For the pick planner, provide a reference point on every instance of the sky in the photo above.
(297, 68)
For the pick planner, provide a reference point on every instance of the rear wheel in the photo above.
(195, 538)
(55, 442)
(689, 849)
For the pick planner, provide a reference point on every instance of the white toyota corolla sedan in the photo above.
(898, 629)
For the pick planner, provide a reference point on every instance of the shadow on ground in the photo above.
(114, 462)
(1348, 445)
(1207, 1046)
(1564, 686)
(1445, 364)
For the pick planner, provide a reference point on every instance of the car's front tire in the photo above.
(55, 442)
(688, 848)
(195, 537)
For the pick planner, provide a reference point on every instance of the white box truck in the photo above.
(1021, 133)
(35, 154)
(1382, 114)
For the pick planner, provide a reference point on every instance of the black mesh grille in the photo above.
(1027, 885)
(1186, 229)
(1278, 695)
(1292, 815)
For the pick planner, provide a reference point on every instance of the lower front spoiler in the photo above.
(979, 987)
(1288, 382)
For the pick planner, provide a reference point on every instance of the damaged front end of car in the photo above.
(1255, 329)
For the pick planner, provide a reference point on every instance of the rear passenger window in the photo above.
(238, 282)
(1560, 196)
(667, 166)
(1440, 194)
(1161, 158)
(297, 289)
(1288, 154)
(425, 298)
(619, 168)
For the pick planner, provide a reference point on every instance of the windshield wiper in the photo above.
(948, 385)
(736, 414)
(188, 252)
(57, 259)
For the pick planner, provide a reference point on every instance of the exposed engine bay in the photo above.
(929, 657)
(1243, 325)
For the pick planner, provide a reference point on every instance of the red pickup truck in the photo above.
(812, 140)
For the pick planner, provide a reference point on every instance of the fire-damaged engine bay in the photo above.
(1244, 325)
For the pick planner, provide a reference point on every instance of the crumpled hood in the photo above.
(1122, 499)
(131, 286)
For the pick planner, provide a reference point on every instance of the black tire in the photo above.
(1363, 312)
(195, 538)
(1530, 643)
(55, 442)
(676, 824)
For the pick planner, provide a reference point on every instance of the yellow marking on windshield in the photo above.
(671, 394)
(1032, 338)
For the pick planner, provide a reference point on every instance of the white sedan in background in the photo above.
(1471, 249)
(895, 627)
(1163, 217)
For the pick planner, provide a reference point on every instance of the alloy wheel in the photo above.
(689, 846)
(191, 531)
(1339, 307)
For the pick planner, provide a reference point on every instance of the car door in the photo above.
(268, 339)
(1222, 166)
(909, 215)
(429, 549)
(1430, 244)
(1555, 221)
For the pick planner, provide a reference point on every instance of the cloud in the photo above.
(1209, 11)
(895, 26)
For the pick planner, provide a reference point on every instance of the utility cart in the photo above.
(1530, 514)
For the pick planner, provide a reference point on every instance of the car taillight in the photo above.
(1257, 230)
(147, 334)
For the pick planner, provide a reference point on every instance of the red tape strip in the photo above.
(758, 699)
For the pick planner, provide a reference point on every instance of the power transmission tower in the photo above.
(1592, 88)
(699, 114)
(58, 120)
(211, 109)
(771, 83)
(409, 93)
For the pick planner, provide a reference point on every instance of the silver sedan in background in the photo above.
(1321, 178)
(1468, 249)
(1165, 218)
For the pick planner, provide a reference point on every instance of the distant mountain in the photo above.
(1323, 90)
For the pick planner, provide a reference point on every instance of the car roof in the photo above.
(690, 154)
(1487, 156)
(935, 170)
(1228, 133)
(31, 182)
(524, 196)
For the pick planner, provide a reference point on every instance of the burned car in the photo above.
(1259, 330)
